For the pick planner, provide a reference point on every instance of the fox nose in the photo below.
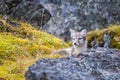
(75, 44)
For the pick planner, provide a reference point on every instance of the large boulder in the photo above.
(79, 14)
(99, 64)
(28, 10)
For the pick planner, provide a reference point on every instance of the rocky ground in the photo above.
(26, 10)
(99, 64)
(79, 14)
(57, 16)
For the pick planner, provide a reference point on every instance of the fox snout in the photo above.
(75, 44)
(78, 43)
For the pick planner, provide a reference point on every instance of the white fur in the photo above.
(80, 47)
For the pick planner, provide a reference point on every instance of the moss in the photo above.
(113, 30)
(22, 46)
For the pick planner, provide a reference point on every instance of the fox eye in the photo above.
(80, 38)
(73, 39)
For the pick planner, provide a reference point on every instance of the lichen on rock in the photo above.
(100, 64)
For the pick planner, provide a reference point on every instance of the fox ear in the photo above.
(84, 32)
(72, 32)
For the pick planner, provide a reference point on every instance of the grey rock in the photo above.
(57, 16)
(98, 65)
(27, 10)
(79, 14)
(94, 42)
(106, 40)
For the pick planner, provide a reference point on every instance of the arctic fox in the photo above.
(79, 42)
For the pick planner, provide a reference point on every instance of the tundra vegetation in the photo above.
(21, 45)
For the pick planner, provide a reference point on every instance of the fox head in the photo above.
(78, 38)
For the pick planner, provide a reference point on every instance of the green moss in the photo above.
(113, 30)
(22, 46)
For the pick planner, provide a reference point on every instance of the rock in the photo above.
(57, 16)
(102, 64)
(3, 7)
(12, 3)
(79, 14)
(27, 10)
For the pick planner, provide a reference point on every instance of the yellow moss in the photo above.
(114, 30)
(21, 46)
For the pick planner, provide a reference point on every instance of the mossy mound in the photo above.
(114, 33)
(21, 45)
